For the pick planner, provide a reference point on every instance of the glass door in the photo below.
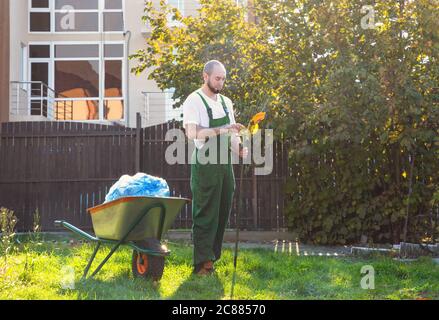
(39, 76)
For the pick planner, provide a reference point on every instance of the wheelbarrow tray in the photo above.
(113, 220)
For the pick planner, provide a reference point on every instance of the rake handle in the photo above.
(235, 259)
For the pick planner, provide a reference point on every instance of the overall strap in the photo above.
(209, 110)
(224, 105)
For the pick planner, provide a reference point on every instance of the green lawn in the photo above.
(262, 275)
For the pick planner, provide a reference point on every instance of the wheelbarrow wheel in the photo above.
(147, 266)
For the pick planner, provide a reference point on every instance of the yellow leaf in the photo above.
(254, 128)
(404, 174)
(258, 118)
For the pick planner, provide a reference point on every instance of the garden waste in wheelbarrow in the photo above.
(138, 222)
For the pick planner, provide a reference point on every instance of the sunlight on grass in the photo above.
(35, 272)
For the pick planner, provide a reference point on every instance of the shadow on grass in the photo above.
(121, 287)
(199, 288)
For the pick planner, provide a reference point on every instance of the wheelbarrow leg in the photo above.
(106, 258)
(91, 261)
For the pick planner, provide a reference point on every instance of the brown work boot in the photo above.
(206, 269)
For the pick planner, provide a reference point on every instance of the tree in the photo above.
(354, 96)
(359, 109)
(177, 54)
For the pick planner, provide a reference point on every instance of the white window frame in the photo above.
(49, 60)
(101, 58)
(40, 10)
(180, 7)
(24, 57)
(39, 60)
(100, 11)
(104, 11)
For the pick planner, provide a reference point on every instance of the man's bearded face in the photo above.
(216, 80)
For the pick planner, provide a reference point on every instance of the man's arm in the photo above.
(194, 131)
(236, 143)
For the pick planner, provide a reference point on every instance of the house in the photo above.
(67, 60)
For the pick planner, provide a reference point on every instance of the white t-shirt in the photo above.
(194, 112)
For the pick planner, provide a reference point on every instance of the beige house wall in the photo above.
(4, 61)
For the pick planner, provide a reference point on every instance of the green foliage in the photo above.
(358, 106)
(368, 127)
(175, 56)
(7, 229)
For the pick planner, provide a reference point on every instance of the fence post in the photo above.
(139, 142)
(255, 199)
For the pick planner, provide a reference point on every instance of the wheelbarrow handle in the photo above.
(72, 228)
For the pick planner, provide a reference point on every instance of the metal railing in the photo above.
(158, 108)
(35, 98)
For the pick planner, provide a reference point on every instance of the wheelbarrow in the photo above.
(138, 222)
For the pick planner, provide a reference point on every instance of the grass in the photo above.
(35, 272)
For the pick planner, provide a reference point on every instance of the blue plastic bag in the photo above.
(139, 185)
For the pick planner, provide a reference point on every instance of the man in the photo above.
(209, 115)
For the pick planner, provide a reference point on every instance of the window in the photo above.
(113, 4)
(80, 110)
(113, 83)
(76, 16)
(40, 75)
(113, 78)
(39, 16)
(114, 51)
(77, 79)
(113, 21)
(113, 109)
(113, 16)
(77, 4)
(77, 51)
(179, 4)
(74, 21)
(40, 4)
(39, 51)
(88, 79)
(40, 22)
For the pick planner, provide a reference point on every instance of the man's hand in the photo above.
(194, 131)
(235, 128)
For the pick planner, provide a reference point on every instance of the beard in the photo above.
(212, 88)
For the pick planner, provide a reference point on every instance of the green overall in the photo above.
(212, 185)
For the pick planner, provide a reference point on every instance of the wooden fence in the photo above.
(63, 168)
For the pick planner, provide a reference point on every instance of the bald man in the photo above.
(209, 115)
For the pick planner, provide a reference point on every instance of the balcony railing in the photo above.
(35, 98)
(158, 108)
